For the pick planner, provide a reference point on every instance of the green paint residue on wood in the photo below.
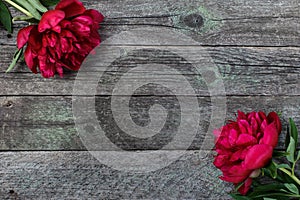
(50, 138)
(210, 22)
(50, 111)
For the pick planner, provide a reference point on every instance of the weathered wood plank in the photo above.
(47, 123)
(77, 175)
(270, 23)
(244, 71)
(241, 56)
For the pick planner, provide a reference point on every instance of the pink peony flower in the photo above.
(63, 38)
(245, 146)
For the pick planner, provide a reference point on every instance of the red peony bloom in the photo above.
(246, 145)
(63, 38)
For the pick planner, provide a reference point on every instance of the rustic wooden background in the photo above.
(255, 45)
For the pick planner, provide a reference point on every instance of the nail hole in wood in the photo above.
(11, 191)
(9, 104)
(193, 20)
(9, 36)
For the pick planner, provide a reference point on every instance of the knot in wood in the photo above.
(193, 20)
(8, 104)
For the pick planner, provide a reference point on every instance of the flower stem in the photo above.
(290, 175)
(19, 8)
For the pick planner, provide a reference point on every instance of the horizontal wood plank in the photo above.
(78, 175)
(270, 23)
(244, 71)
(47, 123)
(254, 45)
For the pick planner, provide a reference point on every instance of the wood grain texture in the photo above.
(254, 44)
(244, 71)
(270, 23)
(77, 175)
(47, 123)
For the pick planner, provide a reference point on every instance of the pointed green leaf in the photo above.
(291, 150)
(277, 195)
(31, 9)
(5, 17)
(17, 56)
(272, 170)
(239, 197)
(284, 190)
(23, 18)
(287, 137)
(37, 4)
(293, 130)
(49, 3)
(286, 166)
(291, 187)
(269, 187)
(277, 154)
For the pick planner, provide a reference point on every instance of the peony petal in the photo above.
(254, 125)
(86, 20)
(223, 143)
(220, 160)
(273, 117)
(246, 186)
(47, 69)
(233, 179)
(72, 8)
(270, 136)
(263, 125)
(50, 39)
(217, 132)
(50, 19)
(246, 140)
(97, 16)
(82, 30)
(241, 115)
(232, 137)
(244, 126)
(235, 174)
(258, 156)
(238, 155)
(59, 70)
(23, 36)
(30, 59)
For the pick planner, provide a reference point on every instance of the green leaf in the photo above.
(17, 56)
(23, 18)
(293, 130)
(298, 156)
(286, 166)
(266, 198)
(38, 5)
(239, 197)
(236, 188)
(287, 138)
(5, 17)
(49, 3)
(277, 154)
(291, 149)
(272, 169)
(31, 9)
(291, 187)
(277, 195)
(267, 188)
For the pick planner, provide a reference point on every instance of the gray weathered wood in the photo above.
(244, 71)
(270, 23)
(46, 123)
(77, 175)
(255, 45)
